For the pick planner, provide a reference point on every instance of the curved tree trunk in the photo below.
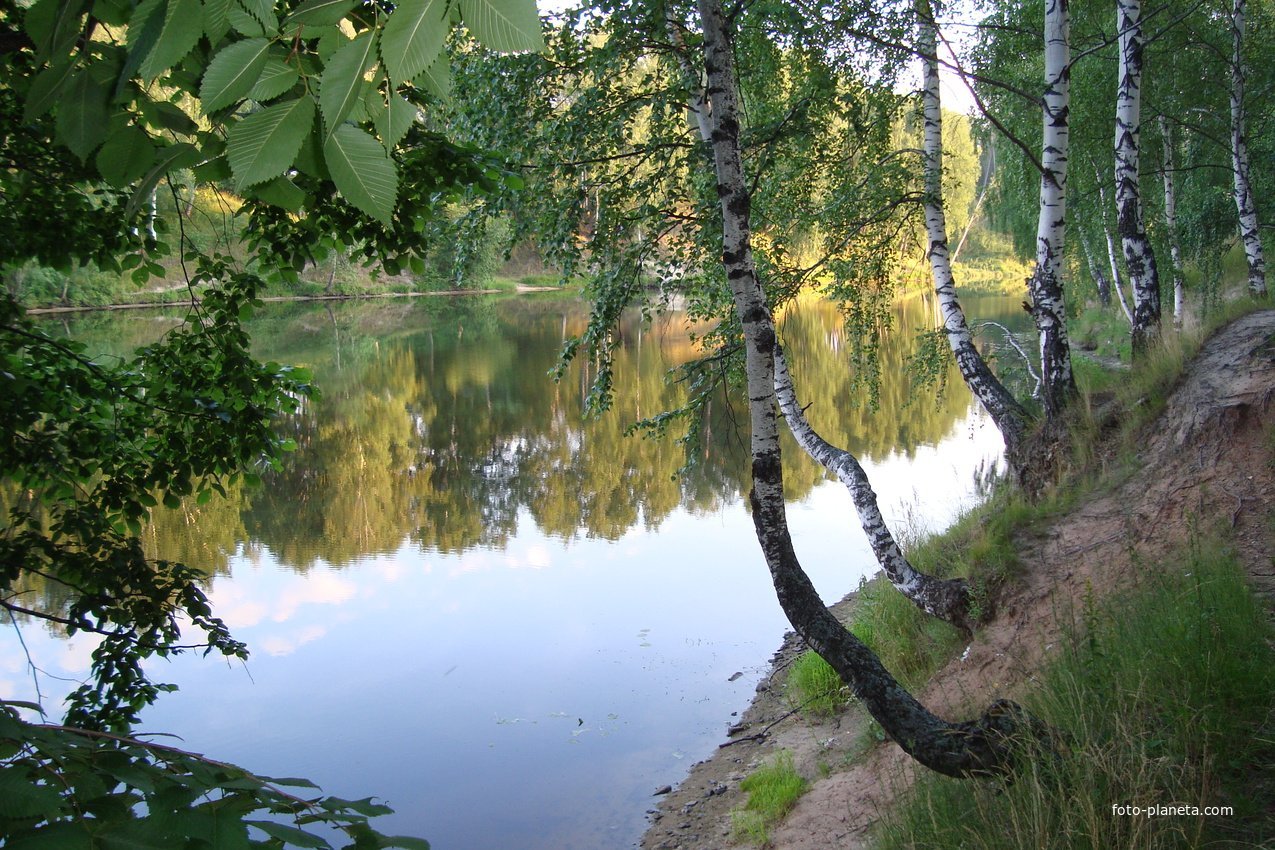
(1095, 272)
(1138, 256)
(947, 599)
(1010, 416)
(981, 746)
(1168, 166)
(1117, 283)
(1045, 285)
(1239, 159)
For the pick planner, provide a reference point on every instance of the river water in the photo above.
(508, 623)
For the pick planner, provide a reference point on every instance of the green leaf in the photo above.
(168, 116)
(437, 78)
(263, 12)
(505, 25)
(183, 25)
(280, 192)
(46, 89)
(320, 13)
(113, 12)
(276, 78)
(213, 170)
(244, 23)
(393, 121)
(413, 37)
(82, 115)
(289, 834)
(64, 835)
(54, 26)
(363, 174)
(263, 145)
(232, 73)
(342, 82)
(405, 841)
(170, 158)
(216, 19)
(126, 156)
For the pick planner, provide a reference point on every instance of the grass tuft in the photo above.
(815, 687)
(773, 789)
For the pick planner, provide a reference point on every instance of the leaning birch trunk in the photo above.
(947, 599)
(1171, 223)
(982, 746)
(1095, 272)
(1116, 282)
(1010, 417)
(1045, 285)
(1239, 160)
(1138, 256)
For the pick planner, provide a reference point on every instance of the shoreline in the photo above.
(695, 814)
(78, 308)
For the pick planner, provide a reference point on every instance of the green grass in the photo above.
(773, 789)
(1163, 698)
(814, 687)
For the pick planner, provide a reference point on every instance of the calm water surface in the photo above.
(510, 624)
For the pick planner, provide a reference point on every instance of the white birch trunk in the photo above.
(1138, 256)
(1006, 412)
(1045, 285)
(1171, 222)
(956, 749)
(1239, 159)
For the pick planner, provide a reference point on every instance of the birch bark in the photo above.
(1168, 166)
(1045, 285)
(1139, 258)
(1240, 161)
(956, 749)
(1010, 417)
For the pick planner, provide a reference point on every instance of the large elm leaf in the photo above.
(413, 37)
(264, 145)
(126, 155)
(392, 121)
(82, 114)
(363, 174)
(320, 13)
(436, 78)
(232, 73)
(276, 78)
(55, 26)
(505, 25)
(47, 88)
(342, 83)
(216, 19)
(183, 25)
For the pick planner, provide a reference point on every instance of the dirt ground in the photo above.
(1206, 464)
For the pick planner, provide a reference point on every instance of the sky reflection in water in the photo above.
(437, 619)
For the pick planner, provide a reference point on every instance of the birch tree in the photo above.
(1046, 289)
(975, 747)
(1010, 416)
(1242, 170)
(1139, 257)
(1168, 167)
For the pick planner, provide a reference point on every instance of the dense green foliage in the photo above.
(311, 113)
(73, 788)
(1187, 83)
